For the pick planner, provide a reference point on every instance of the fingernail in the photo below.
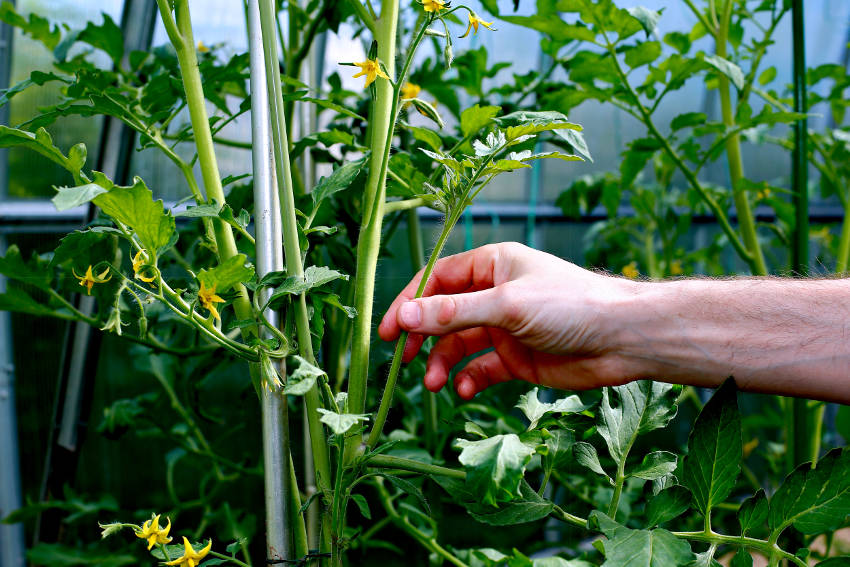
(411, 314)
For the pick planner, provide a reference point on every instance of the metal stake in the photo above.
(267, 222)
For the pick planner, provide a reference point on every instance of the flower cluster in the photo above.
(151, 532)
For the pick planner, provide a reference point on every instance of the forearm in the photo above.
(773, 335)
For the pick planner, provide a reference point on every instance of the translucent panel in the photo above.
(31, 175)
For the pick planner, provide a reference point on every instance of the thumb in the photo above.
(442, 314)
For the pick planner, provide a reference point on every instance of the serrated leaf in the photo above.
(753, 512)
(35, 26)
(667, 505)
(473, 119)
(314, 276)
(340, 422)
(643, 406)
(642, 54)
(640, 548)
(340, 179)
(494, 466)
(70, 197)
(363, 505)
(528, 507)
(474, 429)
(586, 455)
(575, 139)
(333, 106)
(648, 18)
(688, 119)
(814, 500)
(134, 206)
(33, 273)
(199, 211)
(535, 410)
(429, 137)
(228, 274)
(42, 142)
(715, 449)
(729, 69)
(77, 246)
(302, 379)
(655, 465)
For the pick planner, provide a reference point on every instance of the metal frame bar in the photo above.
(269, 236)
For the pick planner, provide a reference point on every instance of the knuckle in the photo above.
(446, 310)
(509, 305)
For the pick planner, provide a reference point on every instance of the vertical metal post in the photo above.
(267, 221)
(799, 442)
(11, 535)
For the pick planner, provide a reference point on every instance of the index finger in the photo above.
(468, 271)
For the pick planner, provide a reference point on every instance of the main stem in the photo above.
(369, 244)
(733, 152)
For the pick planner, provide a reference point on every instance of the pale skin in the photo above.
(553, 323)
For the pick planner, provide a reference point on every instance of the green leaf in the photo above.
(34, 272)
(648, 18)
(814, 500)
(535, 410)
(668, 504)
(408, 488)
(363, 505)
(199, 211)
(335, 107)
(729, 69)
(340, 422)
(303, 378)
(753, 512)
(655, 465)
(528, 507)
(81, 247)
(106, 36)
(767, 76)
(843, 561)
(559, 453)
(340, 179)
(688, 119)
(427, 136)
(227, 274)
(134, 206)
(576, 140)
(714, 449)
(176, 550)
(42, 143)
(477, 117)
(494, 466)
(19, 301)
(585, 454)
(70, 197)
(744, 559)
(641, 54)
(314, 276)
(704, 559)
(639, 548)
(35, 26)
(643, 406)
(554, 27)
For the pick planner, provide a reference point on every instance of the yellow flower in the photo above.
(208, 299)
(138, 261)
(153, 533)
(433, 5)
(474, 21)
(630, 270)
(203, 48)
(409, 90)
(372, 70)
(191, 558)
(763, 194)
(90, 279)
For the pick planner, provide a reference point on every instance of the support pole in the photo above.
(267, 221)
(799, 442)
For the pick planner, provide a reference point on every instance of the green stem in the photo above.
(406, 205)
(395, 367)
(701, 17)
(417, 260)
(428, 542)
(733, 152)
(618, 490)
(644, 116)
(400, 463)
(229, 558)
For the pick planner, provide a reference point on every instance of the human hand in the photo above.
(548, 321)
